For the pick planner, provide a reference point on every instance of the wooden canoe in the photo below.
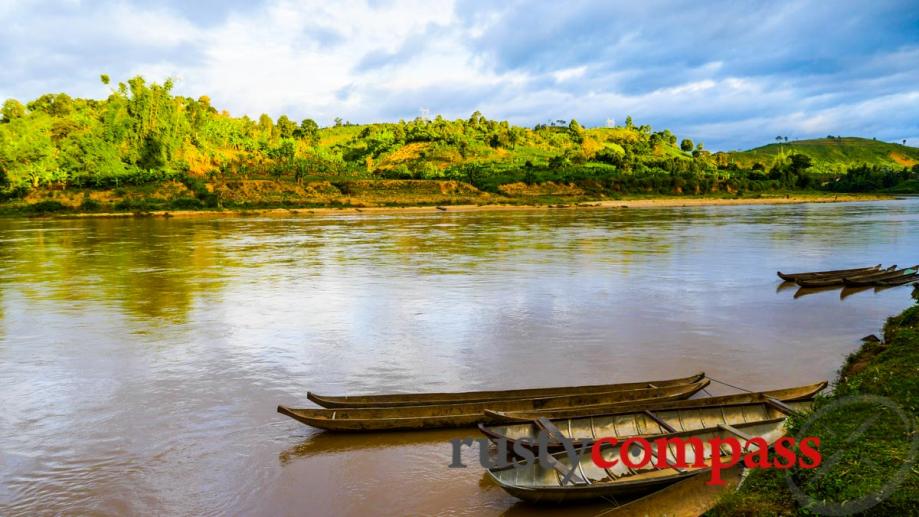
(798, 393)
(791, 277)
(535, 483)
(584, 431)
(470, 413)
(841, 280)
(898, 281)
(433, 399)
(862, 281)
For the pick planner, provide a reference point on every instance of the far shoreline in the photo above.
(663, 202)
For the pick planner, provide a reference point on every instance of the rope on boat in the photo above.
(726, 384)
(612, 500)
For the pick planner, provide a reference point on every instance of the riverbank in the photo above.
(498, 205)
(869, 441)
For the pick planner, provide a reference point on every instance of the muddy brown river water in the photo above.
(141, 360)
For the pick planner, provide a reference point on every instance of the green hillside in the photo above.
(831, 154)
(144, 148)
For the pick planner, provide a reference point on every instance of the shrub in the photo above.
(90, 205)
(186, 203)
(46, 206)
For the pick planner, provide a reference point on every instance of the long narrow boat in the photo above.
(584, 431)
(840, 280)
(870, 280)
(898, 281)
(791, 277)
(798, 393)
(470, 413)
(432, 399)
(537, 483)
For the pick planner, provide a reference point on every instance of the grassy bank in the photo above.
(178, 198)
(867, 448)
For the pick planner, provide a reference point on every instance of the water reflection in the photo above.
(152, 268)
(320, 443)
(141, 360)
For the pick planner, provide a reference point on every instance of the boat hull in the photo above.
(463, 415)
(792, 277)
(867, 281)
(584, 431)
(536, 482)
(433, 399)
(899, 281)
(798, 393)
(843, 280)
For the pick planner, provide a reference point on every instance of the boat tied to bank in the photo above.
(793, 277)
(840, 280)
(534, 481)
(649, 419)
(433, 399)
(882, 278)
(436, 416)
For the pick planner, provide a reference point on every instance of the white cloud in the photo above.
(732, 83)
(566, 74)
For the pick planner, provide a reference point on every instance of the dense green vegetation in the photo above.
(865, 443)
(833, 154)
(144, 148)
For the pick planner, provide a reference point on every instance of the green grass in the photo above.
(864, 441)
(826, 152)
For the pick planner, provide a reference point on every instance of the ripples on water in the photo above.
(141, 360)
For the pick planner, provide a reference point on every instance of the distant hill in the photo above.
(184, 153)
(829, 153)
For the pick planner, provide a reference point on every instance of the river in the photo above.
(142, 359)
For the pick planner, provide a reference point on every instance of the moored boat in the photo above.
(689, 415)
(535, 482)
(876, 279)
(841, 280)
(898, 281)
(791, 277)
(798, 393)
(431, 399)
(471, 413)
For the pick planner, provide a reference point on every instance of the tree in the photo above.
(686, 145)
(575, 127)
(475, 119)
(105, 79)
(628, 121)
(12, 109)
(778, 139)
(309, 131)
(59, 105)
(786, 138)
(265, 125)
(286, 127)
(558, 161)
(800, 162)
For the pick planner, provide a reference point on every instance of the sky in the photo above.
(732, 74)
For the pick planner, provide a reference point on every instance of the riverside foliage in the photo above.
(143, 134)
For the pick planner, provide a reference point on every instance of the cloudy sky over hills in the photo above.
(732, 75)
